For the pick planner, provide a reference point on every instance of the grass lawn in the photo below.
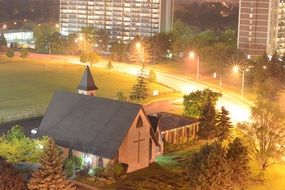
(28, 85)
(274, 178)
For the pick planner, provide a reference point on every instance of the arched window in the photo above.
(100, 162)
(139, 122)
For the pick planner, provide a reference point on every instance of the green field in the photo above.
(26, 86)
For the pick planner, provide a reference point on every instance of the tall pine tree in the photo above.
(49, 175)
(140, 90)
(238, 160)
(207, 121)
(224, 125)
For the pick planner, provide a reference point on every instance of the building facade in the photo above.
(124, 19)
(19, 36)
(261, 27)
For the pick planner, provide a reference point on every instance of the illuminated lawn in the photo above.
(26, 86)
(275, 178)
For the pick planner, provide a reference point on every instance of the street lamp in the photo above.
(138, 45)
(237, 69)
(220, 76)
(193, 55)
(4, 27)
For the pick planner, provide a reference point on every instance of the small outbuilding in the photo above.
(176, 129)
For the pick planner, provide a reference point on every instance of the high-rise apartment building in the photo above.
(261, 27)
(257, 26)
(124, 19)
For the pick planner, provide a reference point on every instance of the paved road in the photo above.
(238, 106)
(27, 124)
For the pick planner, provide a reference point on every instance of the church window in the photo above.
(100, 162)
(139, 122)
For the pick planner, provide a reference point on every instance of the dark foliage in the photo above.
(224, 125)
(10, 177)
(238, 160)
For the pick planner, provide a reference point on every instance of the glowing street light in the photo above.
(4, 27)
(138, 45)
(237, 69)
(140, 53)
(193, 55)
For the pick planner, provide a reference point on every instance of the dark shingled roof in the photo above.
(87, 81)
(88, 124)
(170, 121)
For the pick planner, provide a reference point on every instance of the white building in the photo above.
(124, 19)
(18, 36)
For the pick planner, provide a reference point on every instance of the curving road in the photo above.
(239, 107)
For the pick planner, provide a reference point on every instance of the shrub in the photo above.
(83, 58)
(118, 169)
(24, 53)
(98, 171)
(72, 164)
(10, 53)
(69, 167)
(109, 65)
(152, 76)
(120, 96)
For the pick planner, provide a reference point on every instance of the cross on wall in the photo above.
(139, 143)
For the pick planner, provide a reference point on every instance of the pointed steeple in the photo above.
(87, 85)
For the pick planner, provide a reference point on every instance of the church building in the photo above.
(101, 130)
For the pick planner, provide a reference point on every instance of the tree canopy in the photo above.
(16, 147)
(194, 102)
(265, 135)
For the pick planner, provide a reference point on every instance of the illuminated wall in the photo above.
(124, 19)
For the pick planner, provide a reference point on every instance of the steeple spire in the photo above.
(87, 85)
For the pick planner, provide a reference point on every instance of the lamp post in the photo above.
(193, 55)
(242, 70)
(220, 76)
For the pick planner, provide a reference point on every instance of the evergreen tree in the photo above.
(207, 121)
(24, 53)
(209, 169)
(10, 53)
(140, 90)
(3, 42)
(238, 160)
(9, 177)
(49, 175)
(224, 126)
